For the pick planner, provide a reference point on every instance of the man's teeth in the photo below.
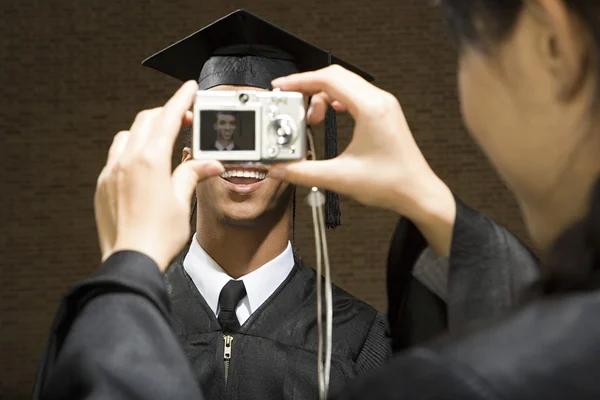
(244, 174)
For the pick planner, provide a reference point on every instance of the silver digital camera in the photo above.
(247, 125)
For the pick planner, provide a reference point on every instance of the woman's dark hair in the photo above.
(480, 22)
(485, 22)
(573, 264)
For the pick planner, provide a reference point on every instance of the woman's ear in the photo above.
(565, 45)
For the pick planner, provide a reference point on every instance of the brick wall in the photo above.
(71, 78)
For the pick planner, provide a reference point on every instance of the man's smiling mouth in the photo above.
(240, 175)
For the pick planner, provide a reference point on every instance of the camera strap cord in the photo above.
(316, 200)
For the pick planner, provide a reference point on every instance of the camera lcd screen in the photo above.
(225, 130)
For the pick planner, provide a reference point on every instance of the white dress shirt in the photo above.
(220, 147)
(260, 284)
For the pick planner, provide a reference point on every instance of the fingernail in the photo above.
(277, 173)
(309, 113)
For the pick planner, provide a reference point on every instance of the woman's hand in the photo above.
(382, 166)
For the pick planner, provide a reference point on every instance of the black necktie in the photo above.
(233, 292)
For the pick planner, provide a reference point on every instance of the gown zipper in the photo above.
(228, 339)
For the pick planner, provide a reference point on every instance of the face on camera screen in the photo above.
(227, 130)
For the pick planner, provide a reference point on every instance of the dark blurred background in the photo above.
(71, 79)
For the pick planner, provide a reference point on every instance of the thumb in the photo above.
(188, 174)
(325, 174)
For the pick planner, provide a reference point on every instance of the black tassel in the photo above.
(332, 200)
(294, 217)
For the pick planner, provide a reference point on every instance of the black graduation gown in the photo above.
(488, 270)
(547, 350)
(274, 355)
(491, 347)
(112, 339)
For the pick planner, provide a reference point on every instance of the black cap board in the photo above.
(246, 50)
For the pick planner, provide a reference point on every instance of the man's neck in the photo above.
(239, 250)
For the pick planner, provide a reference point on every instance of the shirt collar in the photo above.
(220, 147)
(260, 284)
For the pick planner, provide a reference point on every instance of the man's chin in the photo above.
(251, 217)
(248, 221)
(241, 214)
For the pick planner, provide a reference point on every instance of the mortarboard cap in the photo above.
(245, 50)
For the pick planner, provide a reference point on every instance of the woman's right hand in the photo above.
(382, 166)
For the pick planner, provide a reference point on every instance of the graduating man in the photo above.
(244, 305)
(240, 257)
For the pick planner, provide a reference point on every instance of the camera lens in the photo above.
(244, 98)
